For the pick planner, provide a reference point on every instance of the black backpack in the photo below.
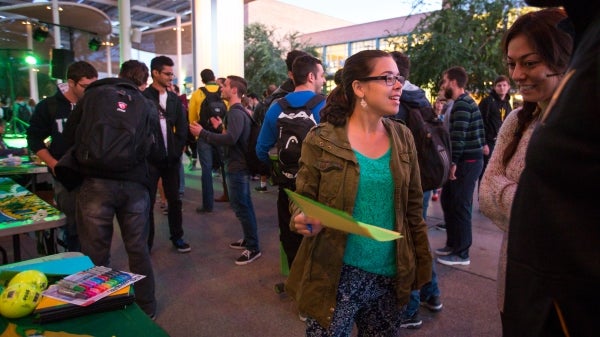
(293, 124)
(432, 141)
(212, 106)
(114, 133)
(255, 165)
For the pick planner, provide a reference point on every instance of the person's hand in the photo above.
(216, 122)
(195, 128)
(486, 150)
(452, 174)
(307, 226)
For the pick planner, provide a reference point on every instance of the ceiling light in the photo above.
(94, 44)
(40, 33)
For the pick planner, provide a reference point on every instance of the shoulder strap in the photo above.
(310, 104)
(283, 103)
(314, 101)
(210, 93)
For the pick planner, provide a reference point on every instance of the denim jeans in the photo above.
(65, 202)
(457, 204)
(428, 290)
(205, 157)
(426, 198)
(238, 184)
(98, 202)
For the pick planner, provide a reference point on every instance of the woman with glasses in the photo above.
(537, 53)
(364, 164)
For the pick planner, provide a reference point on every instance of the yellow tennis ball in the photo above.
(34, 277)
(19, 300)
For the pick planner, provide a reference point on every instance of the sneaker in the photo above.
(247, 257)
(165, 211)
(451, 260)
(441, 226)
(182, 246)
(412, 322)
(444, 251)
(239, 244)
(260, 189)
(192, 166)
(433, 303)
(201, 209)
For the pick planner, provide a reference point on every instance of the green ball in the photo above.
(19, 300)
(34, 277)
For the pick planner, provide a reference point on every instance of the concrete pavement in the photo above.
(203, 293)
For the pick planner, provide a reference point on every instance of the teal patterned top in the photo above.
(374, 205)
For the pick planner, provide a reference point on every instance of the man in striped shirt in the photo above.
(468, 138)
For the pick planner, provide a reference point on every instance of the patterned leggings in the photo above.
(367, 299)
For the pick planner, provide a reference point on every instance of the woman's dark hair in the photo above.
(552, 44)
(341, 101)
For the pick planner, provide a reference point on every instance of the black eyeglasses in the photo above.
(168, 74)
(390, 80)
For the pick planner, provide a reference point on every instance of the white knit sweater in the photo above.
(499, 184)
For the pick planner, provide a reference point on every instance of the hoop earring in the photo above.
(363, 103)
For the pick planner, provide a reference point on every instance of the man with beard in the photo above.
(172, 135)
(467, 137)
(552, 268)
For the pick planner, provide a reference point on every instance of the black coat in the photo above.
(177, 128)
(554, 236)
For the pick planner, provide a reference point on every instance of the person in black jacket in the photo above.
(552, 268)
(172, 134)
(494, 108)
(48, 120)
(124, 194)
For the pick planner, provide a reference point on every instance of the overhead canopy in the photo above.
(163, 40)
(78, 24)
(77, 16)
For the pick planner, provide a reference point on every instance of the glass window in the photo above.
(335, 55)
(362, 45)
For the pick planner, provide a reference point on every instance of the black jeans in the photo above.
(457, 204)
(170, 181)
(290, 241)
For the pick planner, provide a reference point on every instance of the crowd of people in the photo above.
(347, 153)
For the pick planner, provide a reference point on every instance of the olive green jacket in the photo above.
(329, 173)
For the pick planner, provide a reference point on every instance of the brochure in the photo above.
(336, 219)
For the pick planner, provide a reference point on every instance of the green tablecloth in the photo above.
(129, 322)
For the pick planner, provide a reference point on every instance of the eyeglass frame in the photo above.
(84, 86)
(386, 78)
(167, 73)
